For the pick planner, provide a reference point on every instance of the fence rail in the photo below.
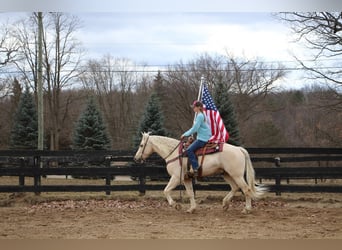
(276, 164)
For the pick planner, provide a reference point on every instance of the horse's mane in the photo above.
(165, 139)
(168, 142)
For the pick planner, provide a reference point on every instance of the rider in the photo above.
(203, 131)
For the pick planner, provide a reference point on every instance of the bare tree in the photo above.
(251, 81)
(61, 60)
(247, 81)
(8, 46)
(8, 54)
(114, 81)
(322, 33)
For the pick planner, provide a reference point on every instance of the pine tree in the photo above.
(16, 93)
(24, 134)
(227, 112)
(152, 119)
(90, 132)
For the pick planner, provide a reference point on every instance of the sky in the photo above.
(159, 39)
(167, 38)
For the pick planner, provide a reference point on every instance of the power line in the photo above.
(113, 70)
(182, 67)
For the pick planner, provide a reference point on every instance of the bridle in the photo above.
(142, 152)
(173, 150)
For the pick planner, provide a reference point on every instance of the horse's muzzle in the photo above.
(139, 160)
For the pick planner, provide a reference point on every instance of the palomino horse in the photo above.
(233, 162)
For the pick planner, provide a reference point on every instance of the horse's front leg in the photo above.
(190, 192)
(173, 183)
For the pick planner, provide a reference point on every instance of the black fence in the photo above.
(272, 166)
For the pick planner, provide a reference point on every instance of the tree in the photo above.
(8, 47)
(266, 134)
(322, 33)
(152, 120)
(8, 54)
(90, 131)
(62, 55)
(24, 134)
(247, 81)
(227, 112)
(114, 81)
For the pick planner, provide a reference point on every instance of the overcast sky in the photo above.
(162, 38)
(156, 32)
(166, 38)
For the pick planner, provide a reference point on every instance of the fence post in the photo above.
(36, 175)
(108, 180)
(108, 176)
(142, 180)
(22, 176)
(277, 179)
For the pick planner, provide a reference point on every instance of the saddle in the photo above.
(209, 148)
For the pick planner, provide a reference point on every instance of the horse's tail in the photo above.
(256, 190)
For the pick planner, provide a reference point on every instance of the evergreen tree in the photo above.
(90, 131)
(227, 112)
(16, 93)
(24, 134)
(152, 119)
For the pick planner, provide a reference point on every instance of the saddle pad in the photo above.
(209, 148)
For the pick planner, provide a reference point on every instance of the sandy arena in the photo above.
(121, 216)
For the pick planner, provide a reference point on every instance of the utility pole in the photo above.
(40, 84)
(38, 163)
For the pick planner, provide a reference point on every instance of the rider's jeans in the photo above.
(191, 152)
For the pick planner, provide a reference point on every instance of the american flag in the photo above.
(218, 130)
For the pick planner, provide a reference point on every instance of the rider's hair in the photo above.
(199, 104)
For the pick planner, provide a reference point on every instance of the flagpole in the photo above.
(199, 97)
(200, 89)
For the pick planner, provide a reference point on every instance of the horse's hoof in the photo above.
(190, 210)
(177, 206)
(225, 207)
(246, 211)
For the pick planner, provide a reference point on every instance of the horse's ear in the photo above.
(149, 132)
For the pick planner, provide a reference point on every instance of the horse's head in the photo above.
(144, 150)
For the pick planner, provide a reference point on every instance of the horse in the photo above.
(233, 162)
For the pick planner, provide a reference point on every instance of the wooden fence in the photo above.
(271, 164)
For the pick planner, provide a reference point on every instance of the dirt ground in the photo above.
(130, 216)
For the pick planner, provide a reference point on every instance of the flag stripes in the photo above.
(218, 130)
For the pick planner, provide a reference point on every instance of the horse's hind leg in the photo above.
(173, 183)
(190, 192)
(230, 195)
(246, 191)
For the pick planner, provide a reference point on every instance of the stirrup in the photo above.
(190, 174)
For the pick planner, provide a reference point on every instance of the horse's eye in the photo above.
(141, 145)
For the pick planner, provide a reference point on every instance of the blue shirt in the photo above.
(200, 127)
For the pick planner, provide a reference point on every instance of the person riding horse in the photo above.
(232, 161)
(203, 131)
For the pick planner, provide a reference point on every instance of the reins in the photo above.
(178, 157)
(173, 159)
